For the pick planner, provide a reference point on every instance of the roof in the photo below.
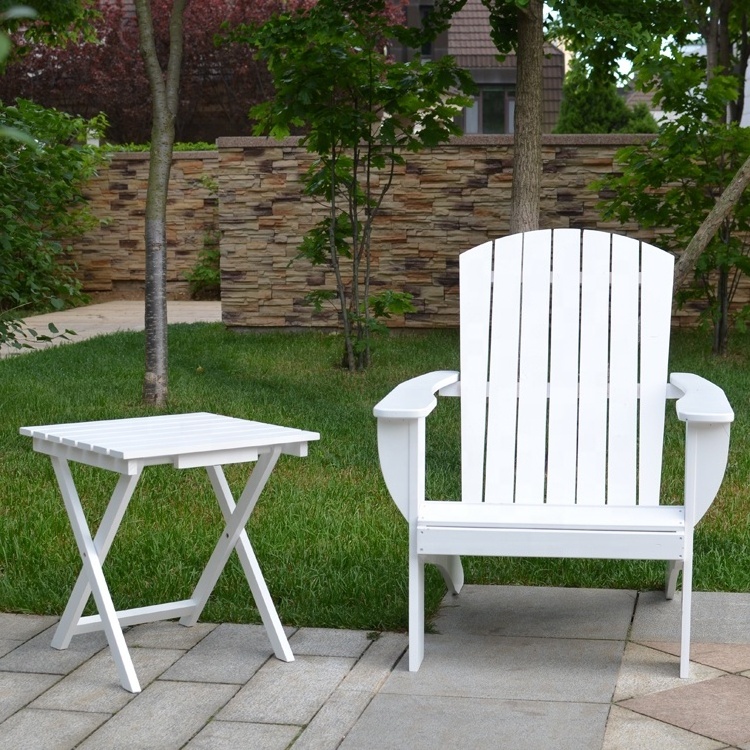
(470, 41)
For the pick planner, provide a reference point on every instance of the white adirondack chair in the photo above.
(564, 345)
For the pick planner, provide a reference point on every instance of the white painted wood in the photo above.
(622, 442)
(666, 518)
(235, 527)
(563, 385)
(502, 389)
(92, 566)
(594, 420)
(475, 267)
(674, 567)
(618, 545)
(144, 437)
(184, 440)
(657, 269)
(102, 542)
(450, 568)
(592, 403)
(415, 397)
(250, 566)
(533, 367)
(700, 400)
(138, 615)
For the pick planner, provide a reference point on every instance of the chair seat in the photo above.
(602, 532)
(653, 518)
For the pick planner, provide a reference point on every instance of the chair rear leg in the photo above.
(673, 570)
(416, 610)
(450, 568)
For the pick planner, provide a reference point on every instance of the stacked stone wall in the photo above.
(442, 202)
(111, 258)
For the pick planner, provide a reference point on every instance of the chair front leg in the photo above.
(416, 608)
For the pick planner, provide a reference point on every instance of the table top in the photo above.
(166, 435)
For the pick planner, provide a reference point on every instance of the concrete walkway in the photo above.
(508, 667)
(108, 317)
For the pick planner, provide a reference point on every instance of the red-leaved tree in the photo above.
(219, 84)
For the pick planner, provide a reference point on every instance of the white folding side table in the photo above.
(126, 446)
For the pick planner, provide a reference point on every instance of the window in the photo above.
(424, 12)
(492, 112)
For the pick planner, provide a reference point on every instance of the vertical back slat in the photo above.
(592, 401)
(657, 270)
(563, 381)
(623, 372)
(475, 271)
(503, 384)
(533, 367)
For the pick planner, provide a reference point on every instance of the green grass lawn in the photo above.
(330, 541)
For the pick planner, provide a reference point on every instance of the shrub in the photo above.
(42, 204)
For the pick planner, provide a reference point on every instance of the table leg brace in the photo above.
(92, 577)
(234, 536)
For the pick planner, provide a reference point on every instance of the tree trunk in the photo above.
(164, 87)
(723, 207)
(527, 141)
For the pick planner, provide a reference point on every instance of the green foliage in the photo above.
(138, 147)
(361, 112)
(205, 277)
(673, 182)
(592, 105)
(42, 204)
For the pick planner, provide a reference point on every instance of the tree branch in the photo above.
(723, 207)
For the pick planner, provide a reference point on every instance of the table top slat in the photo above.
(168, 435)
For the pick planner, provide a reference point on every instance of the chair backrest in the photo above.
(564, 347)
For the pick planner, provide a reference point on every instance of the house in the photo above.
(468, 40)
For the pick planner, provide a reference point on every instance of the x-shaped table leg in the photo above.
(91, 579)
(234, 536)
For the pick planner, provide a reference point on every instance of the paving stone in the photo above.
(395, 722)
(95, 685)
(17, 690)
(229, 653)
(165, 716)
(23, 627)
(542, 669)
(630, 731)
(716, 617)
(728, 657)
(231, 735)
(537, 612)
(334, 720)
(645, 670)
(377, 663)
(6, 645)
(288, 693)
(36, 654)
(719, 709)
(167, 634)
(328, 642)
(48, 730)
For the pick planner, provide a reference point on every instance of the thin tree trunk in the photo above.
(164, 87)
(707, 230)
(527, 142)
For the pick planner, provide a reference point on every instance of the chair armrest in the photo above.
(702, 401)
(416, 397)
